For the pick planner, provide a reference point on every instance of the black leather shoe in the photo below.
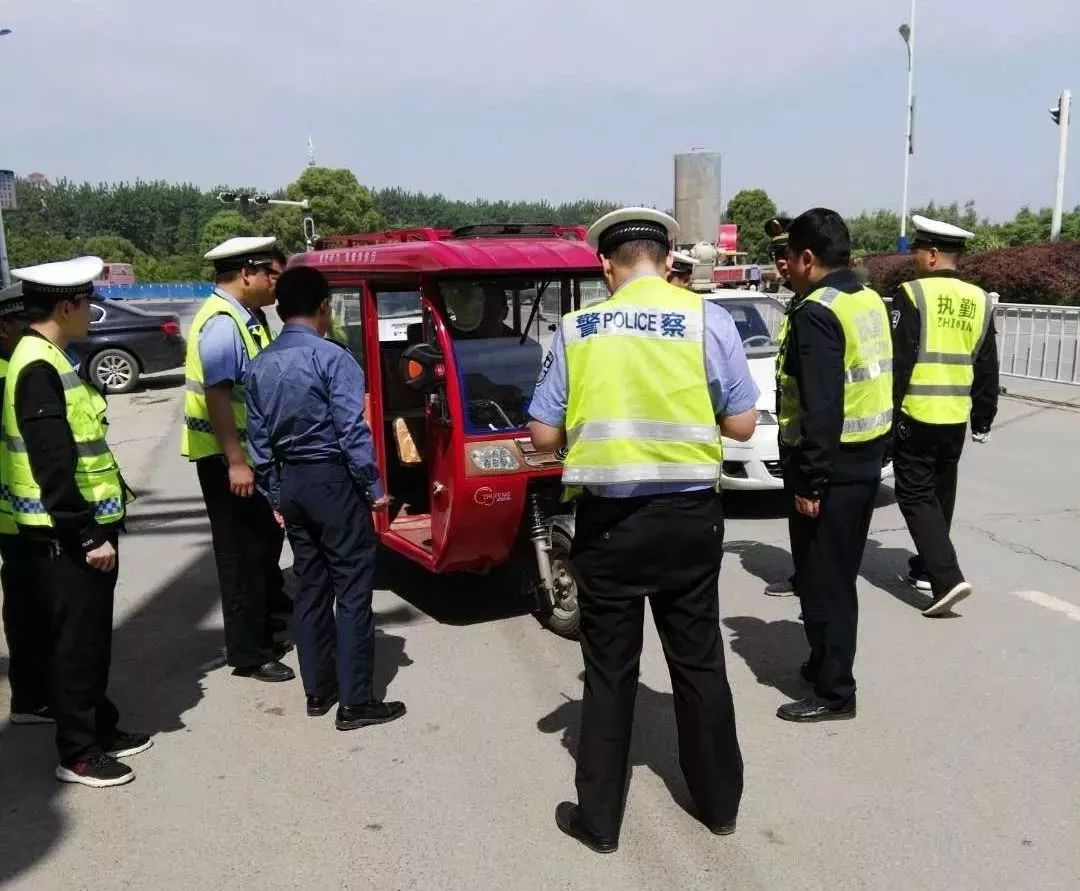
(727, 828)
(569, 819)
(317, 706)
(352, 717)
(272, 672)
(807, 710)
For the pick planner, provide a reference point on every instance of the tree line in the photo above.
(165, 228)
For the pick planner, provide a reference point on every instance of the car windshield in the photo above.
(501, 327)
(758, 321)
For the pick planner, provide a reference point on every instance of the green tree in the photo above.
(111, 248)
(223, 225)
(874, 233)
(750, 210)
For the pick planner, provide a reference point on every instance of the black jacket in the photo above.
(815, 357)
(906, 331)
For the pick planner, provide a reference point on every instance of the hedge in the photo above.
(1041, 273)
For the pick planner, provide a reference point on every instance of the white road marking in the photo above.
(1051, 602)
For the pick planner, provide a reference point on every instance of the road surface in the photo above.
(962, 770)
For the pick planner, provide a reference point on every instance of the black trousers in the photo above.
(666, 549)
(80, 603)
(247, 548)
(926, 458)
(26, 625)
(333, 542)
(827, 551)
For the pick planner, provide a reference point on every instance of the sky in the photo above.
(555, 99)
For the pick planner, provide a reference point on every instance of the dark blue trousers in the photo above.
(328, 521)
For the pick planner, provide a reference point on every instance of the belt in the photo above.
(303, 462)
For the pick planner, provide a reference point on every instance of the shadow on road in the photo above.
(768, 562)
(773, 651)
(887, 568)
(654, 744)
(455, 598)
(160, 657)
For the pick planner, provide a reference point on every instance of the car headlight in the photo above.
(766, 418)
(494, 458)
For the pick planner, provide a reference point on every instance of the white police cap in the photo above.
(245, 250)
(935, 233)
(682, 262)
(632, 224)
(11, 300)
(67, 278)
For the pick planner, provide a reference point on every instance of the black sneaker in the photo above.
(41, 715)
(124, 744)
(98, 770)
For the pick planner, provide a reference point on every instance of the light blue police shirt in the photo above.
(731, 389)
(221, 348)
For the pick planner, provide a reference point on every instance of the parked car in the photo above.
(755, 464)
(125, 342)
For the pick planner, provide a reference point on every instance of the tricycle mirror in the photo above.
(423, 366)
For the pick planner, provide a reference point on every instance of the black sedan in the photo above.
(125, 342)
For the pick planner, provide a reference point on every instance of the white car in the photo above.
(754, 465)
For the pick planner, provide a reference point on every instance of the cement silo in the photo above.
(697, 196)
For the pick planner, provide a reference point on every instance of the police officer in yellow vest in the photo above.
(68, 500)
(946, 372)
(26, 615)
(639, 389)
(227, 333)
(835, 382)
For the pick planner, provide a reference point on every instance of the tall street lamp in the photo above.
(907, 31)
(5, 272)
(1061, 116)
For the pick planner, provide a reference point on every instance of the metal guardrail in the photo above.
(1039, 342)
(157, 291)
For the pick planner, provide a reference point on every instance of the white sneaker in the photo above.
(786, 588)
(946, 602)
(40, 716)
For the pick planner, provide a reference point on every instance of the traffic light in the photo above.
(260, 199)
(226, 197)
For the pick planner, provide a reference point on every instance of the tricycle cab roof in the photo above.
(469, 250)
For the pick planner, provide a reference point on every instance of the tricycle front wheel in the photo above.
(559, 611)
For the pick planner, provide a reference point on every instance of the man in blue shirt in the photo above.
(315, 462)
(657, 533)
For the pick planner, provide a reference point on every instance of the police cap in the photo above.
(944, 236)
(632, 224)
(238, 253)
(49, 283)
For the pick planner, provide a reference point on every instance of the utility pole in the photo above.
(907, 31)
(1061, 116)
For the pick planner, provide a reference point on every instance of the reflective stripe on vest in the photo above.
(954, 318)
(7, 520)
(97, 475)
(197, 438)
(868, 364)
(638, 407)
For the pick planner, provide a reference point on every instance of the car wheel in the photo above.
(114, 371)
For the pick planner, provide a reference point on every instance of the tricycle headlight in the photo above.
(493, 458)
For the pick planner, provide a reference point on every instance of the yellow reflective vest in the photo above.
(954, 319)
(197, 440)
(868, 363)
(97, 474)
(638, 404)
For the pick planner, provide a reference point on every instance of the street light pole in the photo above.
(1061, 115)
(5, 270)
(907, 31)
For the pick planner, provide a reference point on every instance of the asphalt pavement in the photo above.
(962, 770)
